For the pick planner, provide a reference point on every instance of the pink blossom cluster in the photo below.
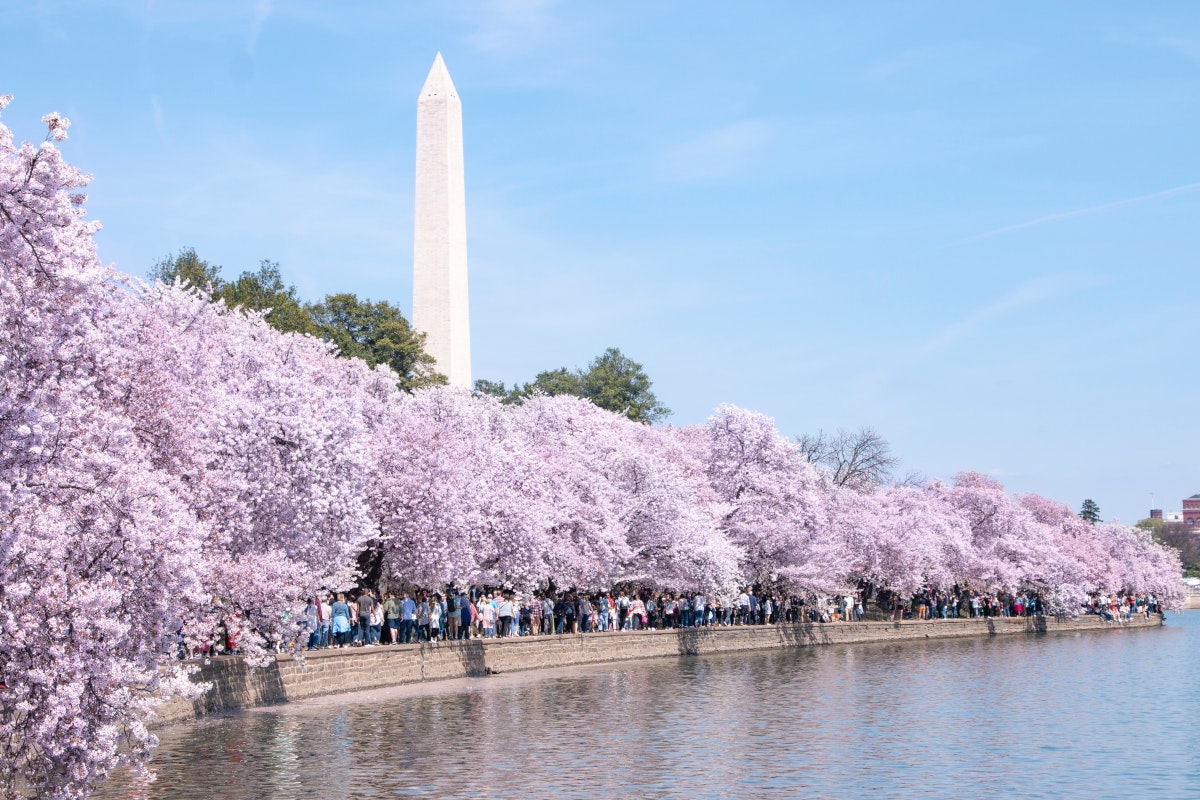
(168, 464)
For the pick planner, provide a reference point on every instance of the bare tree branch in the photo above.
(858, 460)
(912, 479)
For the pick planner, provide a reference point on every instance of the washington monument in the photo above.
(440, 241)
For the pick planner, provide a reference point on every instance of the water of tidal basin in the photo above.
(1091, 715)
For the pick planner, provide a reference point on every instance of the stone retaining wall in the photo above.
(326, 672)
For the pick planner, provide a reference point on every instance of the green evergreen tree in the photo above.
(189, 268)
(264, 290)
(377, 333)
(612, 381)
(554, 382)
(618, 383)
(1090, 511)
(493, 388)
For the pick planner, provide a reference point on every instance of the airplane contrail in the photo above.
(1080, 212)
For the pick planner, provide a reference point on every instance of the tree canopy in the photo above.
(1178, 536)
(616, 382)
(555, 382)
(188, 268)
(1090, 511)
(612, 381)
(376, 332)
(265, 289)
(859, 460)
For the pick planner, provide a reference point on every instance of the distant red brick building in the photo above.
(1191, 510)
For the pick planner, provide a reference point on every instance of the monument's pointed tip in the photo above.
(438, 82)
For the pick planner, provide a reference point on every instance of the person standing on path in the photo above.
(584, 614)
(465, 616)
(391, 612)
(436, 613)
(535, 615)
(408, 618)
(340, 614)
(423, 619)
(487, 612)
(325, 617)
(366, 604)
(637, 613)
(504, 615)
(453, 614)
(376, 623)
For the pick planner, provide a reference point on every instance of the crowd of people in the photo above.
(1116, 608)
(367, 618)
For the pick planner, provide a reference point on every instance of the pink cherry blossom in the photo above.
(99, 553)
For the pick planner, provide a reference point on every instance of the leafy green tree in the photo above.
(551, 382)
(493, 388)
(265, 289)
(377, 333)
(261, 290)
(554, 382)
(189, 268)
(1179, 536)
(1090, 511)
(618, 383)
(612, 381)
(1155, 526)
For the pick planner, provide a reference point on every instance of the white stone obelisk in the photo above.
(440, 308)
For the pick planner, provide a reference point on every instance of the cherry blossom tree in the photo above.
(774, 505)
(454, 496)
(98, 554)
(267, 434)
(913, 540)
(626, 506)
(466, 489)
(1007, 545)
(1083, 564)
(1103, 557)
(671, 516)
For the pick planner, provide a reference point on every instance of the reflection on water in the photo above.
(1086, 715)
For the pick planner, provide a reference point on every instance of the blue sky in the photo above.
(971, 226)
